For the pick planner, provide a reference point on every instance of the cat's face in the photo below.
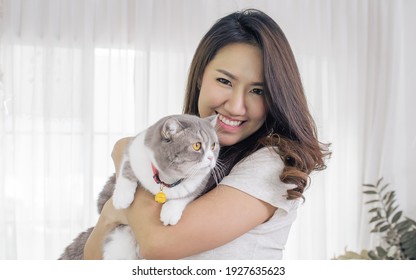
(184, 145)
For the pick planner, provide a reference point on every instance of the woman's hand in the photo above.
(118, 152)
(113, 216)
(109, 219)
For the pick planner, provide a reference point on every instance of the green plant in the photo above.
(397, 232)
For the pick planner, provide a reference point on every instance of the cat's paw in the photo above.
(171, 213)
(122, 200)
(123, 193)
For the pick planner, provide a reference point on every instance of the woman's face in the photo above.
(232, 87)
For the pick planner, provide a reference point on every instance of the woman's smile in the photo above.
(229, 123)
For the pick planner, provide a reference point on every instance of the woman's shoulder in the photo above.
(259, 175)
(267, 155)
(260, 165)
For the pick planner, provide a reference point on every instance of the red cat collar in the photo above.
(158, 181)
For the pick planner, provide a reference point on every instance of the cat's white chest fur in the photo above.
(141, 159)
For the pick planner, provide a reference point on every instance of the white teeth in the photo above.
(229, 122)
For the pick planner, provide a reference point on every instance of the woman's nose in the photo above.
(235, 105)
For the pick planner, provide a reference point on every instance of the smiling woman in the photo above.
(230, 88)
(237, 73)
(75, 76)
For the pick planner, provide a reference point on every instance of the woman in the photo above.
(244, 71)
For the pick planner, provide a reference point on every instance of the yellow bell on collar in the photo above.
(160, 197)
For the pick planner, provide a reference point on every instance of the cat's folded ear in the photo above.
(170, 127)
(212, 119)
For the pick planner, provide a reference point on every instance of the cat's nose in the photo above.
(210, 158)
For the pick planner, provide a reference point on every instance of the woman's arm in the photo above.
(212, 220)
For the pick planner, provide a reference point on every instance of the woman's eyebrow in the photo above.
(225, 72)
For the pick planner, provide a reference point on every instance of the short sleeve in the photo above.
(259, 176)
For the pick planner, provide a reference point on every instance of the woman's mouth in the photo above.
(229, 122)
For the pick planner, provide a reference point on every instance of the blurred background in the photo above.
(77, 75)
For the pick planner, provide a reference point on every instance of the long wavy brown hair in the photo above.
(289, 125)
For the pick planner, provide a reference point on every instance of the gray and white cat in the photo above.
(173, 160)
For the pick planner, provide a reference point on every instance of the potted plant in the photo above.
(397, 233)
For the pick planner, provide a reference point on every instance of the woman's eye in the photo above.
(257, 91)
(224, 81)
(196, 146)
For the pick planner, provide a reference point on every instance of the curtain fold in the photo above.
(75, 76)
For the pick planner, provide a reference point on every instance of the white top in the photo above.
(258, 176)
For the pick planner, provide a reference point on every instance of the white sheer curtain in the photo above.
(75, 76)
(357, 66)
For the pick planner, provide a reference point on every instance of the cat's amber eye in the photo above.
(213, 146)
(196, 146)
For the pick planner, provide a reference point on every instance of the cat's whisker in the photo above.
(221, 169)
(218, 175)
(218, 171)
(220, 166)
